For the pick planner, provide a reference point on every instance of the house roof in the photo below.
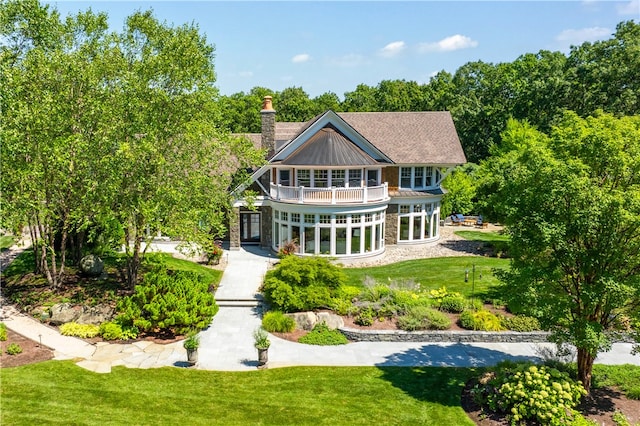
(329, 146)
(410, 137)
(427, 137)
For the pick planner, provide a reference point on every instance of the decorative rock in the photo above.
(95, 314)
(304, 320)
(91, 265)
(333, 321)
(64, 312)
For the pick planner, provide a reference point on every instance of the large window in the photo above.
(417, 222)
(416, 177)
(304, 177)
(330, 234)
(337, 178)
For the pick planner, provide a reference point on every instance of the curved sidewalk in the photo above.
(227, 344)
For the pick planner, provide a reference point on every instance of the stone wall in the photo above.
(391, 225)
(234, 229)
(444, 336)
(266, 229)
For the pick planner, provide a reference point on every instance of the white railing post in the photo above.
(301, 195)
(333, 194)
(278, 192)
(365, 194)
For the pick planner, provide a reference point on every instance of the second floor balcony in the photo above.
(333, 195)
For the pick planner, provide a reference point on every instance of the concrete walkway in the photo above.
(227, 344)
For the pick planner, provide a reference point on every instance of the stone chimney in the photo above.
(268, 115)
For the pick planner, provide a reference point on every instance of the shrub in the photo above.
(423, 318)
(324, 336)
(529, 392)
(364, 317)
(3, 332)
(454, 303)
(177, 302)
(115, 331)
(14, 349)
(520, 323)
(480, 320)
(84, 331)
(277, 322)
(288, 248)
(302, 283)
(375, 292)
(341, 306)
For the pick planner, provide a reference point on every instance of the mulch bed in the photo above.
(31, 351)
(599, 406)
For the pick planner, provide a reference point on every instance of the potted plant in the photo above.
(262, 343)
(191, 344)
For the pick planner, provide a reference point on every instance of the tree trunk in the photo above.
(585, 368)
(34, 245)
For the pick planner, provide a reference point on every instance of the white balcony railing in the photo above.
(333, 195)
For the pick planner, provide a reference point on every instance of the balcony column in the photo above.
(365, 194)
(278, 192)
(333, 194)
(301, 195)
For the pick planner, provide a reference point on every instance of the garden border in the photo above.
(469, 336)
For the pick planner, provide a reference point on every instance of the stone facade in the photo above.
(234, 229)
(268, 115)
(266, 229)
(444, 336)
(391, 225)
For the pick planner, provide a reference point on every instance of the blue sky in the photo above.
(332, 46)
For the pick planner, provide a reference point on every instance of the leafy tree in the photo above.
(363, 99)
(461, 191)
(571, 204)
(113, 131)
(604, 74)
(293, 104)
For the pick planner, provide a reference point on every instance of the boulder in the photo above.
(64, 312)
(332, 320)
(304, 320)
(95, 314)
(91, 265)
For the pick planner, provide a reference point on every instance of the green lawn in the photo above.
(482, 236)
(212, 275)
(6, 241)
(62, 393)
(435, 273)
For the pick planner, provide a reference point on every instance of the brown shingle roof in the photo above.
(329, 147)
(410, 137)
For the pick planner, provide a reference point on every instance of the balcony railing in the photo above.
(333, 195)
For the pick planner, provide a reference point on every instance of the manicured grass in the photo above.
(212, 275)
(61, 392)
(434, 273)
(625, 377)
(6, 241)
(482, 236)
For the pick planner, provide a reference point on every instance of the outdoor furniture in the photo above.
(457, 219)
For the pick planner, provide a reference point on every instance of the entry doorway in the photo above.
(249, 228)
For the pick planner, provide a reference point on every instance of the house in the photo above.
(349, 184)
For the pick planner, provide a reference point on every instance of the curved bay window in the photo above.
(349, 234)
(418, 222)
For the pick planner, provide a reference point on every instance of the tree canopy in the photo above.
(112, 131)
(571, 203)
(482, 96)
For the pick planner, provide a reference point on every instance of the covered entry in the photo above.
(249, 227)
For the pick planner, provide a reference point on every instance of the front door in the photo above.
(250, 227)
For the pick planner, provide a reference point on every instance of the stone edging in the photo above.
(444, 336)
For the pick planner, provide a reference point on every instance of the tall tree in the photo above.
(571, 204)
(116, 129)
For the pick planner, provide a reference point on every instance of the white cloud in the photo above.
(348, 61)
(572, 36)
(303, 57)
(392, 49)
(448, 44)
(632, 7)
